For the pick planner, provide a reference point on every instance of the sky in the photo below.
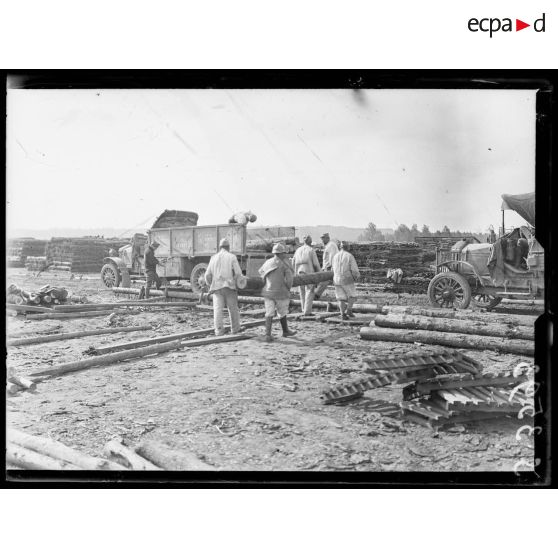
(118, 158)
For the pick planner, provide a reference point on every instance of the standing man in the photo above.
(278, 276)
(151, 263)
(345, 272)
(330, 249)
(221, 277)
(306, 261)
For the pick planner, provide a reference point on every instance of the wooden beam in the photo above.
(119, 305)
(77, 315)
(73, 335)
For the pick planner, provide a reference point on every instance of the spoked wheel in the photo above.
(486, 301)
(110, 276)
(449, 290)
(197, 281)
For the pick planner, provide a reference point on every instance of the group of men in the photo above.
(224, 277)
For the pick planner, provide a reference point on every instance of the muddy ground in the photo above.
(244, 406)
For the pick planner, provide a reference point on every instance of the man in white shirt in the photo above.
(345, 272)
(306, 261)
(221, 277)
(330, 249)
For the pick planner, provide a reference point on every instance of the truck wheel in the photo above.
(110, 276)
(197, 281)
(486, 301)
(449, 290)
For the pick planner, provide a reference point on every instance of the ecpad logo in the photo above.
(493, 25)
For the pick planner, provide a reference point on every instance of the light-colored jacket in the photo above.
(329, 251)
(222, 271)
(345, 268)
(278, 276)
(305, 260)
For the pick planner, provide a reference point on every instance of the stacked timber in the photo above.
(266, 244)
(36, 263)
(375, 258)
(81, 255)
(45, 296)
(19, 249)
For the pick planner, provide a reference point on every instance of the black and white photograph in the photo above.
(272, 279)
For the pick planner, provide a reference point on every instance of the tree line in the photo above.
(405, 234)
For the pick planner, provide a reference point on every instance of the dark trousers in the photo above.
(152, 278)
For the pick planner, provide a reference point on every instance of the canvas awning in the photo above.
(522, 204)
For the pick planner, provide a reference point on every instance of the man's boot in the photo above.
(268, 324)
(286, 331)
(349, 311)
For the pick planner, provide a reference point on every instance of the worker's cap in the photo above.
(155, 244)
(325, 235)
(279, 248)
(224, 243)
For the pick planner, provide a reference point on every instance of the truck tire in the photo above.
(449, 290)
(110, 276)
(197, 281)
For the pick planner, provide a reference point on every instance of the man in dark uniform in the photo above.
(151, 268)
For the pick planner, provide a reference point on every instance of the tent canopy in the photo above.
(523, 204)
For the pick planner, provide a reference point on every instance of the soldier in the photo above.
(151, 263)
(278, 276)
(330, 249)
(221, 274)
(345, 272)
(306, 261)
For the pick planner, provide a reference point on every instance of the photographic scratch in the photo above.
(309, 148)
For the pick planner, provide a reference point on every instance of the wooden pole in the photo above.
(85, 363)
(475, 342)
(74, 335)
(77, 315)
(454, 326)
(119, 305)
(25, 308)
(171, 459)
(57, 450)
(485, 317)
(128, 457)
(28, 459)
(172, 337)
(23, 382)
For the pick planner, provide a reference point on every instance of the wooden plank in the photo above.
(78, 315)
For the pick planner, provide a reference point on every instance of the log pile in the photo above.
(375, 258)
(82, 255)
(19, 249)
(36, 263)
(45, 296)
(266, 244)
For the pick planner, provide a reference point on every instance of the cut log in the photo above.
(77, 315)
(12, 389)
(66, 308)
(29, 459)
(74, 335)
(172, 337)
(127, 457)
(74, 366)
(171, 459)
(484, 317)
(476, 342)
(522, 302)
(454, 326)
(23, 382)
(59, 451)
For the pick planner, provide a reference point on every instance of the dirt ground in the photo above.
(243, 406)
